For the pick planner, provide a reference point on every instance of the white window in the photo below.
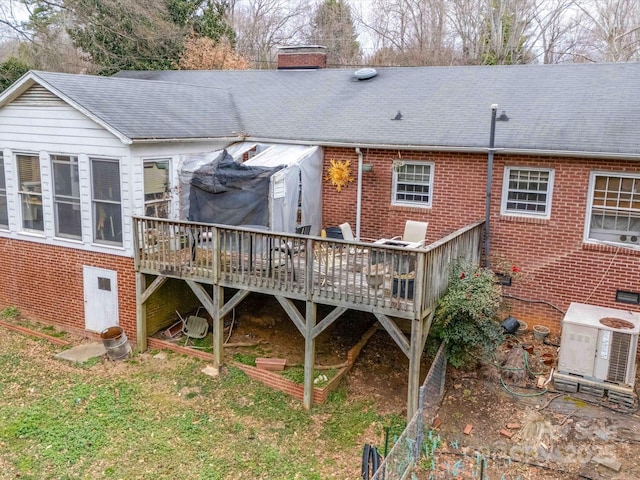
(107, 208)
(66, 196)
(156, 188)
(527, 192)
(30, 190)
(412, 183)
(4, 212)
(614, 208)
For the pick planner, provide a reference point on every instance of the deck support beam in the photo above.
(309, 353)
(417, 329)
(142, 295)
(233, 302)
(394, 331)
(141, 314)
(218, 326)
(294, 314)
(327, 321)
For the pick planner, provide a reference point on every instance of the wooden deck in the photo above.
(395, 281)
(389, 281)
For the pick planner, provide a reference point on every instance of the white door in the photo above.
(100, 298)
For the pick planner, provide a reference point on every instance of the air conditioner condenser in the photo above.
(598, 350)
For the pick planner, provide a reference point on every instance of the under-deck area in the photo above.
(387, 280)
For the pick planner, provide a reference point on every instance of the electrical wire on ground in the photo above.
(233, 319)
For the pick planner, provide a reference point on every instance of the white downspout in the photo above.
(359, 194)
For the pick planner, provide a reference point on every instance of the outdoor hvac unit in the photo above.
(599, 345)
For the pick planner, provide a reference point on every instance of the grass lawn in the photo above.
(162, 418)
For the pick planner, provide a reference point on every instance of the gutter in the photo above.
(442, 148)
(189, 139)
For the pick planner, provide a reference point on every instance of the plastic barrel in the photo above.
(115, 342)
(333, 232)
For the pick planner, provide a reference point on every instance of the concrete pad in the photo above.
(82, 353)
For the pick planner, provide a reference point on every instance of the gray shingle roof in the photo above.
(150, 110)
(585, 108)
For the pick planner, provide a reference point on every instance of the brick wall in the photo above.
(559, 267)
(161, 307)
(45, 282)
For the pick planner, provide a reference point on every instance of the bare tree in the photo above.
(468, 21)
(610, 30)
(416, 30)
(264, 25)
(555, 31)
(13, 17)
(508, 26)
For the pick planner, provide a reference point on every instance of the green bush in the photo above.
(10, 313)
(466, 315)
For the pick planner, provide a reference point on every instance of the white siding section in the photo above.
(54, 126)
(47, 194)
(39, 123)
(84, 177)
(11, 177)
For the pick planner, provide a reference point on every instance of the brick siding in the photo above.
(45, 282)
(559, 266)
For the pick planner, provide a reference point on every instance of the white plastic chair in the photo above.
(347, 233)
(414, 232)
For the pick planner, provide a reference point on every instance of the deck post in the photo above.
(415, 354)
(141, 313)
(218, 326)
(309, 353)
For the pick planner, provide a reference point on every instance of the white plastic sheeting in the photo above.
(297, 185)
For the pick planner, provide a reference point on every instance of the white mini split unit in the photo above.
(598, 352)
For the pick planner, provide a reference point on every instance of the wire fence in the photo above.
(408, 447)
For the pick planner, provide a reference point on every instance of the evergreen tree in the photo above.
(126, 35)
(10, 71)
(333, 28)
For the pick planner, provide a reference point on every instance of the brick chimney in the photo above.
(306, 57)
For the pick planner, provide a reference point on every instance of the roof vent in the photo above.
(365, 73)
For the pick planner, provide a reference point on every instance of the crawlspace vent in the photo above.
(619, 357)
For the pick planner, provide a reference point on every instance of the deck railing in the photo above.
(388, 279)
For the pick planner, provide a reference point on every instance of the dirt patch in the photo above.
(379, 373)
(557, 436)
(523, 433)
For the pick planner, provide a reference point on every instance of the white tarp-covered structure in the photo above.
(279, 187)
